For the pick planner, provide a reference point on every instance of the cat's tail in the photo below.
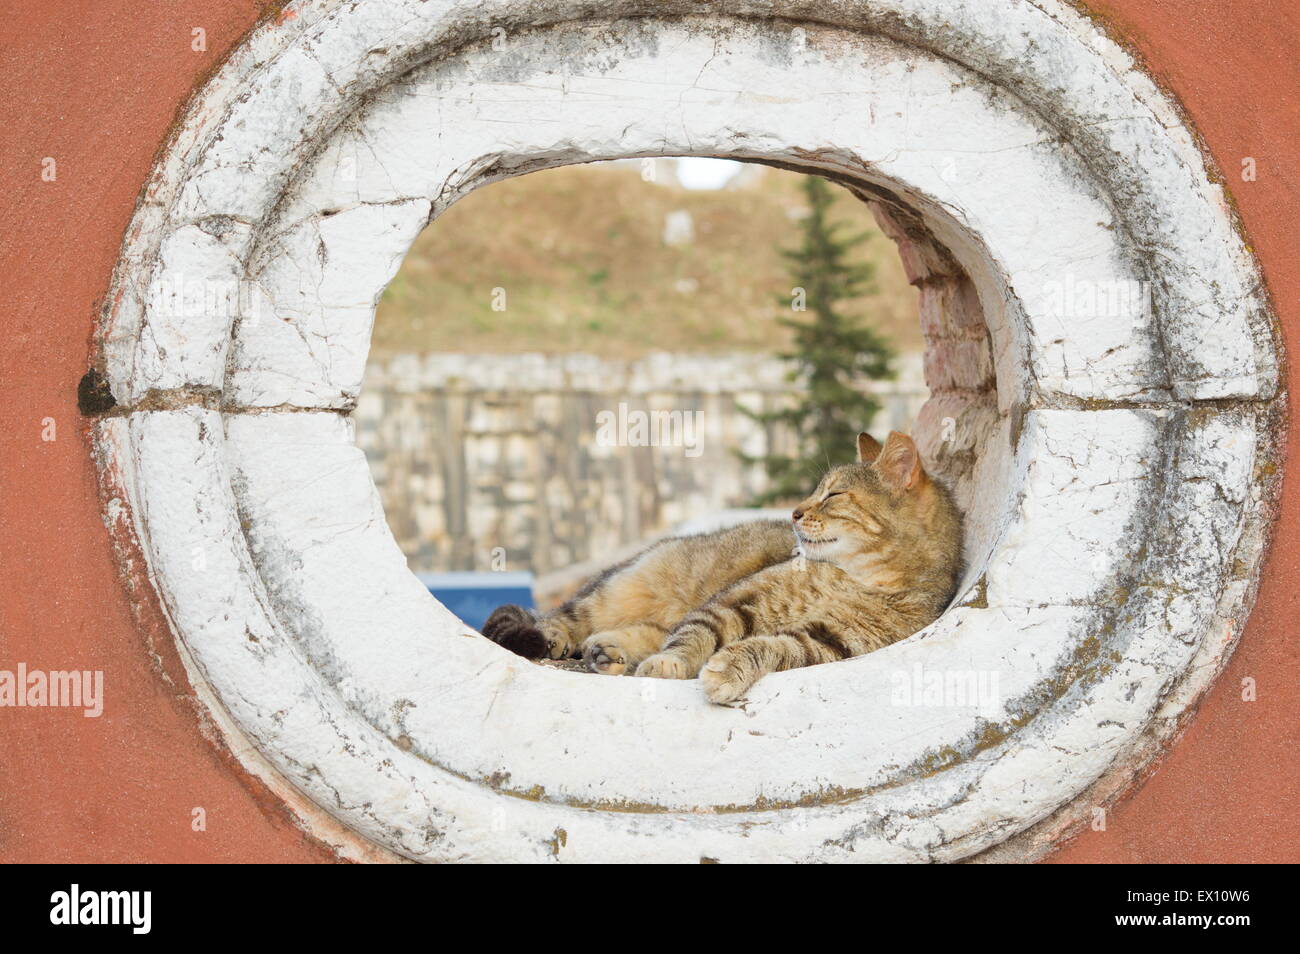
(515, 628)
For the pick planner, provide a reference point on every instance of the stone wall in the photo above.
(524, 461)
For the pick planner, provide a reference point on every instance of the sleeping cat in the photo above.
(878, 557)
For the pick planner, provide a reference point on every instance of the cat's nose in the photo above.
(798, 512)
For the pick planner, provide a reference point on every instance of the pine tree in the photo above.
(834, 353)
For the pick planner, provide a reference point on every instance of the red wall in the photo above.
(97, 87)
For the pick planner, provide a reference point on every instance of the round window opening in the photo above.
(576, 366)
(1104, 402)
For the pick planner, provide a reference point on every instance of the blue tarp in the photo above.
(473, 596)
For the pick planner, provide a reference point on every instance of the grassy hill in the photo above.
(582, 256)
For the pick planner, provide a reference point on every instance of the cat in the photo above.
(875, 555)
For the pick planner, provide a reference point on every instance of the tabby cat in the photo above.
(877, 556)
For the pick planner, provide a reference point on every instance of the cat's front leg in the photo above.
(616, 651)
(694, 640)
(734, 668)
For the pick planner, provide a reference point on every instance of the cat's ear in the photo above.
(899, 463)
(868, 448)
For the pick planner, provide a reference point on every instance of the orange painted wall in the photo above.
(96, 86)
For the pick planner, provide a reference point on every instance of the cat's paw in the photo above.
(664, 666)
(603, 654)
(558, 644)
(723, 680)
(515, 628)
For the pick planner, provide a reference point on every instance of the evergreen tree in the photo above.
(834, 353)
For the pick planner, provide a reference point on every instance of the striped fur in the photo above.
(879, 553)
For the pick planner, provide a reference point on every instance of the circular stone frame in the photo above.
(1106, 401)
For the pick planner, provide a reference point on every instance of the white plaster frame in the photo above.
(1113, 557)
